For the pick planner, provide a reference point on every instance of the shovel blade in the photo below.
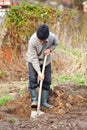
(35, 114)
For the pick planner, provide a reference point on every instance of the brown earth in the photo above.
(69, 112)
(69, 101)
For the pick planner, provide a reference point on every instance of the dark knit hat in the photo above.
(43, 32)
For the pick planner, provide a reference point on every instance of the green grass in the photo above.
(1, 73)
(12, 120)
(74, 52)
(64, 78)
(4, 100)
(22, 92)
(76, 78)
(79, 79)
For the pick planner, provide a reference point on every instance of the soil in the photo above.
(69, 101)
(69, 111)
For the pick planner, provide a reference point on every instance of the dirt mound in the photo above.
(69, 112)
(20, 107)
(63, 98)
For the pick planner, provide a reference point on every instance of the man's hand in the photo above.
(47, 52)
(40, 76)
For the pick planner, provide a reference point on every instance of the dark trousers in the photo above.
(33, 77)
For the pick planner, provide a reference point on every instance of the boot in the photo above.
(44, 98)
(33, 95)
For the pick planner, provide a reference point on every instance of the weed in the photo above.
(79, 79)
(5, 129)
(4, 100)
(12, 120)
(76, 78)
(22, 92)
(74, 52)
(1, 73)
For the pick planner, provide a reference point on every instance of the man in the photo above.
(41, 43)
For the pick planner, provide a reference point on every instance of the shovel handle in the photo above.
(40, 89)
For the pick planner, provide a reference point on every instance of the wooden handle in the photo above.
(40, 89)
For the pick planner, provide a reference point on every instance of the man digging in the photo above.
(41, 44)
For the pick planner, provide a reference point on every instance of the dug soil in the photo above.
(69, 111)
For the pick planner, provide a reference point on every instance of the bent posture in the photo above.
(41, 43)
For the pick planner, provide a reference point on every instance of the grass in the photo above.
(22, 92)
(4, 100)
(65, 49)
(76, 78)
(63, 78)
(79, 79)
(1, 73)
(12, 120)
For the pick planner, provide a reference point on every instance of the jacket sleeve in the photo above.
(34, 57)
(55, 43)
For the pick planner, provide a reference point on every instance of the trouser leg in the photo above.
(46, 87)
(47, 77)
(33, 85)
(32, 76)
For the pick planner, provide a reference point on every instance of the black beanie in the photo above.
(43, 32)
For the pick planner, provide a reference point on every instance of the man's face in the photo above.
(42, 41)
